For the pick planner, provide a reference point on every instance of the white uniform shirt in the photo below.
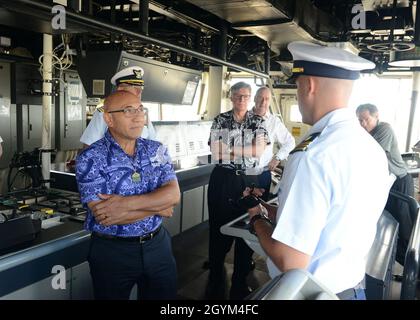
(97, 128)
(1, 140)
(330, 199)
(276, 132)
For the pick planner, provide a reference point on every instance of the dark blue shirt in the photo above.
(105, 168)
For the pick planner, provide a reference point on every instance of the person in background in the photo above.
(1, 148)
(129, 79)
(335, 183)
(382, 132)
(277, 132)
(128, 184)
(238, 137)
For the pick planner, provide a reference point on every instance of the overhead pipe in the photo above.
(267, 58)
(414, 101)
(393, 22)
(112, 12)
(223, 42)
(87, 7)
(417, 25)
(102, 26)
(416, 82)
(144, 17)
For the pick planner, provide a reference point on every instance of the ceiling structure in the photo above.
(242, 32)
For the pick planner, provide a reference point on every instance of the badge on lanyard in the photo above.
(135, 176)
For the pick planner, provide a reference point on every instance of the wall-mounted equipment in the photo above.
(164, 82)
(70, 112)
(29, 126)
(7, 113)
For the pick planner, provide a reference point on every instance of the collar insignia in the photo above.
(303, 146)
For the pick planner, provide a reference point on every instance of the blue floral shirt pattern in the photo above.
(105, 168)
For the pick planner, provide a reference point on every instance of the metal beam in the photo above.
(105, 27)
(170, 13)
(259, 23)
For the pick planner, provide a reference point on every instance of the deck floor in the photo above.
(191, 252)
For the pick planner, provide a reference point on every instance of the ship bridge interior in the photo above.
(192, 52)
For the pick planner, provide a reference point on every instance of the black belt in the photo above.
(238, 172)
(140, 239)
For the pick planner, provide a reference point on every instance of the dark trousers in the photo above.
(225, 185)
(401, 212)
(116, 266)
(404, 185)
(264, 181)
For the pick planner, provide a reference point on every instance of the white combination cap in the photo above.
(330, 62)
(130, 75)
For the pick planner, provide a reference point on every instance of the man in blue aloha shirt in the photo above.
(128, 184)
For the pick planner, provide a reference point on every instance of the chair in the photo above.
(381, 258)
(404, 209)
(411, 264)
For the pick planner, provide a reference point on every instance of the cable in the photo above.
(60, 62)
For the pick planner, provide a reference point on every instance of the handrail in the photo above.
(18, 258)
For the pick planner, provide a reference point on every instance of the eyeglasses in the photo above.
(130, 111)
(241, 96)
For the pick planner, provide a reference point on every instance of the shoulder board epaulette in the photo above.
(100, 109)
(303, 146)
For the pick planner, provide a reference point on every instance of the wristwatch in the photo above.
(277, 158)
(255, 218)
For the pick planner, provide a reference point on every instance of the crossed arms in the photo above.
(114, 209)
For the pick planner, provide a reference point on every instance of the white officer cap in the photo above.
(130, 75)
(330, 62)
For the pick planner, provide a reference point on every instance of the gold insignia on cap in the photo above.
(298, 70)
(137, 73)
(133, 82)
(303, 146)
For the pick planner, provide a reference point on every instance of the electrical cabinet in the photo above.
(81, 282)
(27, 94)
(70, 113)
(173, 224)
(42, 290)
(29, 127)
(6, 113)
(78, 287)
(192, 208)
(27, 84)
